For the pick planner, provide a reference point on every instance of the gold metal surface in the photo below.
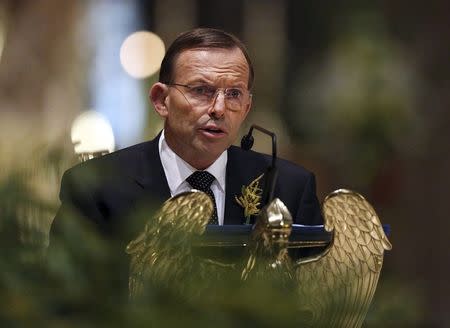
(334, 288)
(162, 253)
(267, 251)
(290, 245)
(337, 286)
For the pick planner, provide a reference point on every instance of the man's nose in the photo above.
(218, 106)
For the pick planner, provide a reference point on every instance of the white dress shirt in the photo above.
(177, 170)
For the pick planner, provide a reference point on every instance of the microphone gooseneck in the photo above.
(248, 140)
(272, 171)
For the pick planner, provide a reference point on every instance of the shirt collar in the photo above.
(177, 170)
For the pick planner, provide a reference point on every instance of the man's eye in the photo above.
(202, 90)
(234, 93)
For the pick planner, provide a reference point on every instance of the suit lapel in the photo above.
(151, 175)
(152, 179)
(233, 211)
(236, 176)
(242, 169)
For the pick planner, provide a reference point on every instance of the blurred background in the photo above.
(357, 92)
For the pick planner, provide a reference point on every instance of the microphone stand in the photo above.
(271, 173)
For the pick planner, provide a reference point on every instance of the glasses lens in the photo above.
(235, 98)
(205, 95)
(200, 95)
(202, 92)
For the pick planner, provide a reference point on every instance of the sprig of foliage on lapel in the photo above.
(250, 199)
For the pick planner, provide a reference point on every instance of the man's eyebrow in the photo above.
(200, 79)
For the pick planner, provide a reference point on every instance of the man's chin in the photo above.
(212, 151)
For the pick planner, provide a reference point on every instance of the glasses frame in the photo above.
(214, 97)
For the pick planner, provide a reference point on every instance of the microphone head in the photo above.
(247, 142)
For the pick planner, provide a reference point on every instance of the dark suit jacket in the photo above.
(111, 189)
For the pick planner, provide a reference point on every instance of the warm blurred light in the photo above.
(92, 133)
(2, 30)
(141, 54)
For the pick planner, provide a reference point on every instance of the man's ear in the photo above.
(158, 96)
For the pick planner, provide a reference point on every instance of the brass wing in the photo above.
(336, 287)
(162, 253)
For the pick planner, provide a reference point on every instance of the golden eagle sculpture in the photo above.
(337, 286)
(162, 253)
(333, 289)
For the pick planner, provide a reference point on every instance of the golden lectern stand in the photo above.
(333, 269)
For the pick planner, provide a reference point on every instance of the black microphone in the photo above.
(247, 140)
(272, 171)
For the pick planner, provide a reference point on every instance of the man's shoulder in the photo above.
(123, 160)
(128, 153)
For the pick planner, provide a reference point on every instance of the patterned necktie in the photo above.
(202, 180)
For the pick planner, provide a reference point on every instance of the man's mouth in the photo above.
(212, 131)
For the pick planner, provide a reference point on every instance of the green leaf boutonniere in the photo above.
(250, 199)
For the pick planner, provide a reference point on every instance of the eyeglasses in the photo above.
(204, 95)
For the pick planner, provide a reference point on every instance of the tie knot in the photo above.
(200, 180)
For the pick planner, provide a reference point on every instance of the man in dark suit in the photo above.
(203, 95)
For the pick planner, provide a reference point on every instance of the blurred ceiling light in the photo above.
(92, 134)
(141, 54)
(2, 30)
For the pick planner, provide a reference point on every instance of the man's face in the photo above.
(199, 134)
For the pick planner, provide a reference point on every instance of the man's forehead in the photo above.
(203, 58)
(209, 54)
